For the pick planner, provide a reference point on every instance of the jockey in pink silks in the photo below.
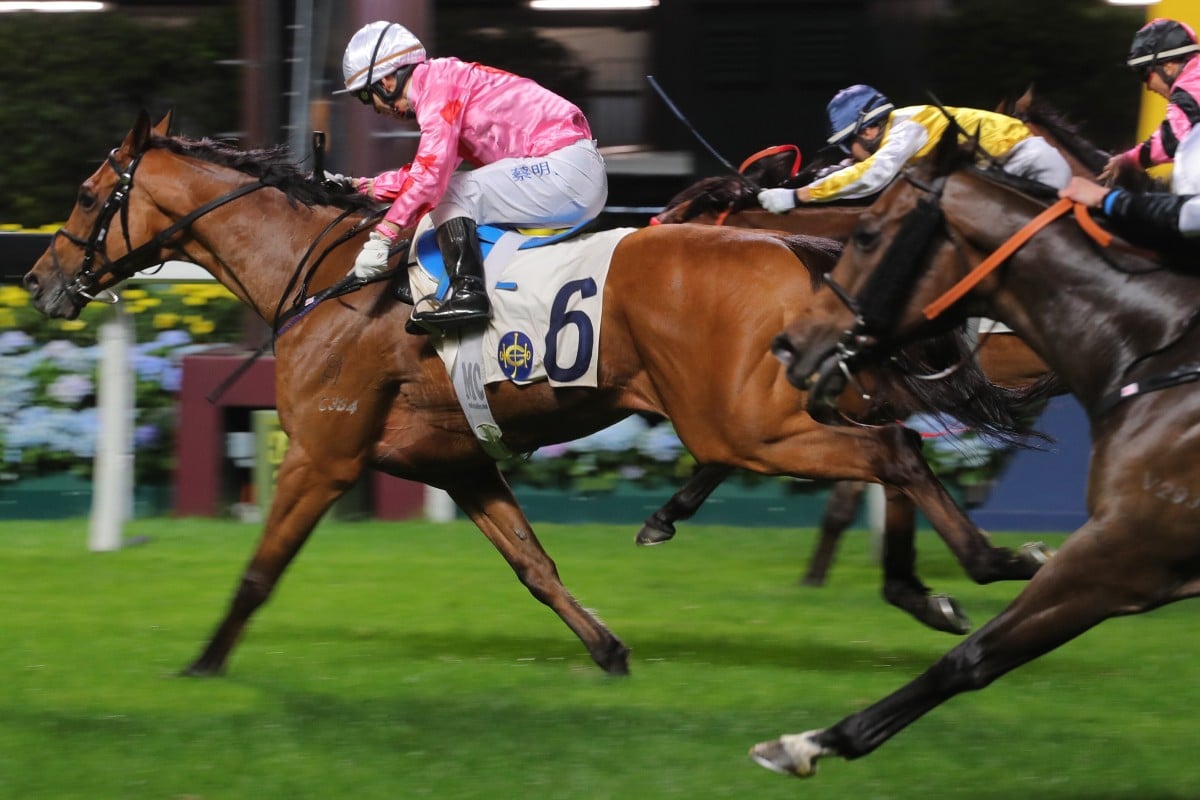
(535, 162)
(1163, 54)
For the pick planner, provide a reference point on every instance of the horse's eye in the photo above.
(87, 200)
(865, 239)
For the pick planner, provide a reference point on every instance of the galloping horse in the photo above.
(253, 223)
(1117, 325)
(1005, 359)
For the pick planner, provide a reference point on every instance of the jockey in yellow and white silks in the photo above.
(883, 140)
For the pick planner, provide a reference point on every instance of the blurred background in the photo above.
(747, 74)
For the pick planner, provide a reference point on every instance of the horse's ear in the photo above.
(163, 128)
(139, 134)
(950, 153)
(1024, 102)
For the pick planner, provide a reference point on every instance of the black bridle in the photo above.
(878, 303)
(145, 255)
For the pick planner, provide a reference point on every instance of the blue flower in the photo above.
(71, 388)
(12, 341)
(613, 439)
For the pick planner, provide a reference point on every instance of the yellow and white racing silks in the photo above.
(912, 132)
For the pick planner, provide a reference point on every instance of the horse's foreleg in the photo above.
(660, 526)
(302, 496)
(901, 586)
(983, 562)
(1088, 581)
(484, 496)
(840, 511)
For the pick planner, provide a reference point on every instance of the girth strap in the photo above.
(1176, 377)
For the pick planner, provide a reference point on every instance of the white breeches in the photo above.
(558, 190)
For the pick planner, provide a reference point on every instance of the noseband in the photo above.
(88, 278)
(876, 307)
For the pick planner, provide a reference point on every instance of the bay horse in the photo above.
(254, 222)
(732, 200)
(1118, 325)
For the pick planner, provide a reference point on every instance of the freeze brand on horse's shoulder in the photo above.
(1171, 492)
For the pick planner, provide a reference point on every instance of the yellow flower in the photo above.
(73, 324)
(13, 297)
(201, 327)
(165, 321)
(7, 318)
(135, 294)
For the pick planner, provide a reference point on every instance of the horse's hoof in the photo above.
(816, 581)
(1035, 553)
(795, 755)
(652, 534)
(616, 661)
(943, 613)
(197, 670)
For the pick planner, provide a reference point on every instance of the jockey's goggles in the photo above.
(366, 96)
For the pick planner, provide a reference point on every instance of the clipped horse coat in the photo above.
(254, 223)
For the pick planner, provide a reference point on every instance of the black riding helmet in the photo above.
(1158, 42)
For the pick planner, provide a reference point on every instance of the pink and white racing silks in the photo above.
(468, 111)
(1160, 147)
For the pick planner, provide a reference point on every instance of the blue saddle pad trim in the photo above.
(431, 258)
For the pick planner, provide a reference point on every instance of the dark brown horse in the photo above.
(1117, 326)
(688, 318)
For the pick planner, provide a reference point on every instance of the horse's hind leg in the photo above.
(840, 511)
(1097, 574)
(303, 493)
(660, 526)
(484, 496)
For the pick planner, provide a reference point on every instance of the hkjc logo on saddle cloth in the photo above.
(547, 302)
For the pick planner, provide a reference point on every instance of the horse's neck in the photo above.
(254, 244)
(1076, 305)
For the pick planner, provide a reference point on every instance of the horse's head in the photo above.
(901, 254)
(88, 255)
(1084, 157)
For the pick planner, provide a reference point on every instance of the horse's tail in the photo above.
(818, 254)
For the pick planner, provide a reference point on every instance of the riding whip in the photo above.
(687, 123)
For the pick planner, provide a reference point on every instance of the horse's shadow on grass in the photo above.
(748, 650)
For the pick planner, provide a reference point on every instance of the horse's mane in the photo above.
(1037, 112)
(967, 394)
(271, 166)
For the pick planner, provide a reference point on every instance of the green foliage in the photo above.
(74, 83)
(48, 421)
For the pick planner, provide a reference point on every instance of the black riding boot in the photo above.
(467, 301)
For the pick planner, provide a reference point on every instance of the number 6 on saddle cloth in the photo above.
(547, 294)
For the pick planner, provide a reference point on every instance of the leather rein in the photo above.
(857, 341)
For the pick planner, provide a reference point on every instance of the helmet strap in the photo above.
(1160, 69)
(391, 97)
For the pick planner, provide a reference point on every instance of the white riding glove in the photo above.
(777, 201)
(373, 258)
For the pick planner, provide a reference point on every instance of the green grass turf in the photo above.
(406, 661)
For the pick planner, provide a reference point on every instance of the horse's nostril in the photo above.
(782, 350)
